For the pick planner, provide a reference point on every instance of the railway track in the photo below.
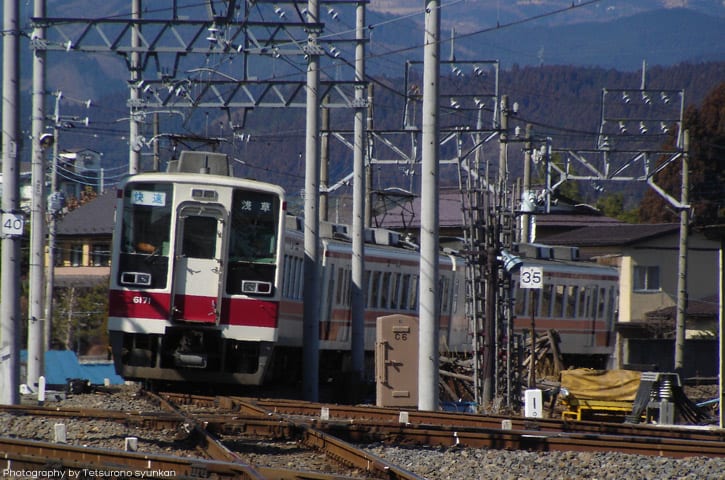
(373, 424)
(225, 432)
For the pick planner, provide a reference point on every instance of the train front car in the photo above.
(194, 278)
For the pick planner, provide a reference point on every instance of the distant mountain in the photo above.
(602, 40)
(665, 36)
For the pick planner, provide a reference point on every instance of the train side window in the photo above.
(445, 294)
(394, 290)
(558, 307)
(347, 299)
(374, 301)
(546, 303)
(611, 306)
(571, 296)
(367, 286)
(413, 293)
(385, 290)
(404, 289)
(521, 305)
(286, 276)
(602, 303)
(582, 303)
(339, 286)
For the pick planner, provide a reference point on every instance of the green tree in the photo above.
(612, 205)
(80, 317)
(706, 127)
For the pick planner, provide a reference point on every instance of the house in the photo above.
(647, 256)
(83, 242)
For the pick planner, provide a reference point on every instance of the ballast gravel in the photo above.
(427, 462)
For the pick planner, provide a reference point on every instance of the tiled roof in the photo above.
(92, 218)
(611, 234)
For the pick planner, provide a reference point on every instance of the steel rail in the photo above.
(32, 456)
(18, 454)
(415, 417)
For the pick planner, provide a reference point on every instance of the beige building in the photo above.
(647, 256)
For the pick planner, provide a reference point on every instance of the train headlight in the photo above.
(257, 287)
(136, 278)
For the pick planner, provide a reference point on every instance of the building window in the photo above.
(76, 255)
(101, 255)
(646, 279)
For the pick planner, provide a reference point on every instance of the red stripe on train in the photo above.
(155, 306)
(133, 304)
(250, 312)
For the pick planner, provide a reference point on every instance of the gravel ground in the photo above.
(430, 463)
(440, 464)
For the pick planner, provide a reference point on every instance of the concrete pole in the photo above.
(429, 243)
(525, 217)
(10, 277)
(369, 166)
(680, 320)
(134, 156)
(52, 228)
(36, 350)
(311, 293)
(358, 207)
(324, 161)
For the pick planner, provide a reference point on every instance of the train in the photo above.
(577, 299)
(207, 280)
(206, 283)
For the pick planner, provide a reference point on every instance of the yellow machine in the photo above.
(598, 394)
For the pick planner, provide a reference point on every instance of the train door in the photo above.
(198, 270)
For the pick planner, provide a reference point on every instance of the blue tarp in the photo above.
(63, 365)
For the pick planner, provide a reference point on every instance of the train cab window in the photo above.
(145, 231)
(253, 236)
(146, 218)
(199, 237)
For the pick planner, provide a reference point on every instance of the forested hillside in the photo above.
(562, 102)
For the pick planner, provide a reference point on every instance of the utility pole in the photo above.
(357, 336)
(324, 161)
(681, 318)
(429, 191)
(311, 318)
(369, 168)
(36, 345)
(527, 195)
(134, 152)
(10, 277)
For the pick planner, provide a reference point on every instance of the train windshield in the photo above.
(145, 234)
(254, 227)
(253, 239)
